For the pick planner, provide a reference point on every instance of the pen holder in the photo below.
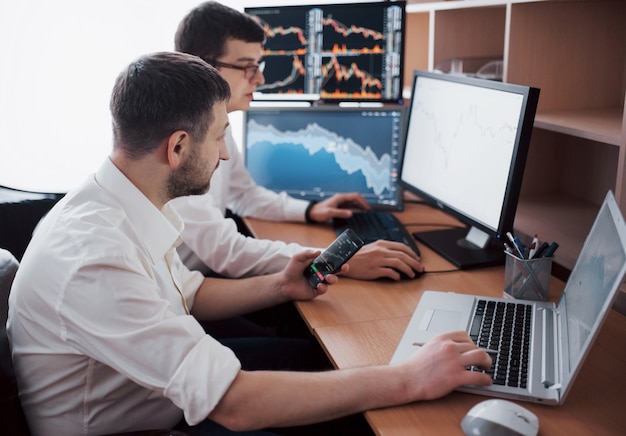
(527, 279)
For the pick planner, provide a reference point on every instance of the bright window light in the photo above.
(59, 62)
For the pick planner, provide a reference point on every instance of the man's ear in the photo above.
(178, 148)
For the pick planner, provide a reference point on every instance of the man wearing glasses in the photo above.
(232, 42)
(249, 70)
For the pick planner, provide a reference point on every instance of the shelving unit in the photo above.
(575, 52)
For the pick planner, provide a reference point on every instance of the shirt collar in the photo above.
(160, 230)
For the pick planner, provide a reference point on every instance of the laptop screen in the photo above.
(598, 272)
(313, 153)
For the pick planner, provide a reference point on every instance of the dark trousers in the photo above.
(274, 339)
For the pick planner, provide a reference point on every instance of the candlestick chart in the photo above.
(340, 53)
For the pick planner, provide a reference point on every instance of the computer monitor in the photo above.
(466, 145)
(337, 52)
(313, 153)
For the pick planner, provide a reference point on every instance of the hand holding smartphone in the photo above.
(331, 260)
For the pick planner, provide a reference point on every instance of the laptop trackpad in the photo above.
(439, 321)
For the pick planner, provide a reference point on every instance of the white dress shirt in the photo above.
(214, 242)
(98, 321)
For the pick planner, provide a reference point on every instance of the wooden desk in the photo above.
(360, 323)
(595, 406)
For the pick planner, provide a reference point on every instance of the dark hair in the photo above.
(206, 28)
(160, 93)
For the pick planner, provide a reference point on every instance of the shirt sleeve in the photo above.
(122, 317)
(217, 243)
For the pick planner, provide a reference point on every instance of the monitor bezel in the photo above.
(399, 197)
(275, 96)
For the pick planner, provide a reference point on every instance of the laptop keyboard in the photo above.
(375, 225)
(505, 328)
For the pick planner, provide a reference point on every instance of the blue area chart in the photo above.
(314, 158)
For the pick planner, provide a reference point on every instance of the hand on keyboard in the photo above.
(338, 206)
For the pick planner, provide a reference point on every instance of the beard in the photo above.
(189, 179)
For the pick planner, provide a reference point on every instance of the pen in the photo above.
(533, 247)
(550, 250)
(539, 251)
(512, 239)
(486, 350)
(520, 246)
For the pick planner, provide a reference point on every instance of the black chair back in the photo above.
(20, 211)
(12, 419)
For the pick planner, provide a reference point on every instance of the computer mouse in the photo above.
(500, 418)
(417, 275)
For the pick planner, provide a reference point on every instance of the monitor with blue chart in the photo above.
(466, 145)
(313, 153)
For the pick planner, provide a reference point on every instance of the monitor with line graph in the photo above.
(466, 145)
(341, 52)
(313, 153)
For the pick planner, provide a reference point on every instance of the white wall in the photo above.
(58, 62)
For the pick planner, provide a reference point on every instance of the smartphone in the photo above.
(330, 261)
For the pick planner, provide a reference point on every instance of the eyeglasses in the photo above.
(249, 70)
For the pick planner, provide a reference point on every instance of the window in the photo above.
(59, 62)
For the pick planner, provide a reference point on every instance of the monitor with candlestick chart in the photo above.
(341, 52)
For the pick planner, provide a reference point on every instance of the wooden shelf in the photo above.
(430, 5)
(602, 125)
(574, 52)
(556, 217)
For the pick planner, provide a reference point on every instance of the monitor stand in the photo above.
(454, 245)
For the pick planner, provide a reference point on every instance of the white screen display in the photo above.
(459, 145)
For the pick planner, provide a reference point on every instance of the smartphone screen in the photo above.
(330, 261)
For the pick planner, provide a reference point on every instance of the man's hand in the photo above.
(338, 206)
(293, 284)
(384, 259)
(440, 366)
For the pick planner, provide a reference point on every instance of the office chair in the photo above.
(20, 211)
(13, 421)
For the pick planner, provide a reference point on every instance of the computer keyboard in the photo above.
(504, 328)
(375, 225)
